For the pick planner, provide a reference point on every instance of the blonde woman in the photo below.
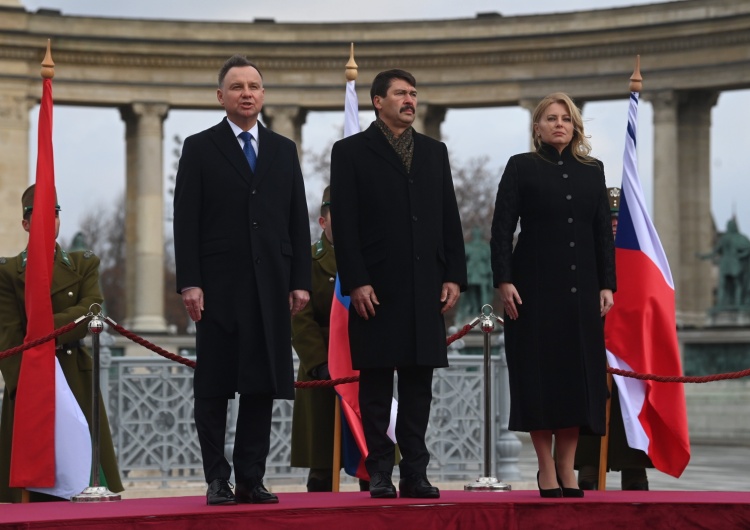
(556, 285)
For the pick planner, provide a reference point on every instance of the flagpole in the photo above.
(636, 84)
(351, 74)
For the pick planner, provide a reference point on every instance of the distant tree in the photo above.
(476, 187)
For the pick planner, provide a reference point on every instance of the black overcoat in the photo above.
(563, 257)
(244, 239)
(401, 233)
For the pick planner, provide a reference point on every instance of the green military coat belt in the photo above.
(75, 286)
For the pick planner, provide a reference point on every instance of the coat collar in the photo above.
(378, 143)
(64, 273)
(268, 145)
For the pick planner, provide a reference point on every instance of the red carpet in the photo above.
(518, 510)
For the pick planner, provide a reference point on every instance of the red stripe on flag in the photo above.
(641, 330)
(33, 447)
(340, 365)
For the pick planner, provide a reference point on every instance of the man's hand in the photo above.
(364, 301)
(193, 300)
(298, 300)
(449, 295)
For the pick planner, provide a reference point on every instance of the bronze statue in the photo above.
(732, 251)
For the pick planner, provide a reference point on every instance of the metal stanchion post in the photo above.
(487, 482)
(95, 492)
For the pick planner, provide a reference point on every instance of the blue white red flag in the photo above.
(640, 329)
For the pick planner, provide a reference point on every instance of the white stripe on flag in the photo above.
(72, 443)
(648, 239)
(351, 110)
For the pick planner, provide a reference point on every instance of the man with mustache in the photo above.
(400, 256)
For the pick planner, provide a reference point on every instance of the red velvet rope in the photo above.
(36, 342)
(328, 383)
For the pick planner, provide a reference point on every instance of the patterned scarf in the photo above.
(403, 145)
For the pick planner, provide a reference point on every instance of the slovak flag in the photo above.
(640, 330)
(339, 354)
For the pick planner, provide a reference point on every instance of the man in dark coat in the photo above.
(400, 256)
(242, 255)
(75, 287)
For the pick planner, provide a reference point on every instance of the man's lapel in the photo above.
(378, 143)
(227, 143)
(268, 147)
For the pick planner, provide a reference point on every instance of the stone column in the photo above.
(666, 181)
(14, 168)
(530, 105)
(428, 120)
(287, 121)
(144, 213)
(694, 193)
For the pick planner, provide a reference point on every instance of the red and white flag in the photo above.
(51, 446)
(640, 329)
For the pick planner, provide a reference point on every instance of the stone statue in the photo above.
(479, 286)
(732, 251)
(78, 243)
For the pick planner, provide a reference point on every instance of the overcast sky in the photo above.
(90, 149)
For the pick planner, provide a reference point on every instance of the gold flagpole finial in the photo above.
(48, 65)
(351, 66)
(636, 81)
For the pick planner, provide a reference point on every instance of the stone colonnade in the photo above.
(691, 51)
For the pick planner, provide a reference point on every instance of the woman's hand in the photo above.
(510, 298)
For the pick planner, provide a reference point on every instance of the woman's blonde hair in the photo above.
(579, 145)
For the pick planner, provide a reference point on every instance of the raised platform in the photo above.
(518, 510)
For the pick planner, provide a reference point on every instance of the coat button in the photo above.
(253, 192)
(565, 175)
(255, 225)
(70, 294)
(257, 260)
(573, 289)
(559, 162)
(572, 267)
(414, 218)
(570, 220)
(572, 244)
(332, 279)
(568, 197)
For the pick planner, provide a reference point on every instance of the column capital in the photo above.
(294, 115)
(141, 109)
(15, 106)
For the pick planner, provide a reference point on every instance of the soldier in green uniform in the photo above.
(312, 427)
(620, 457)
(75, 286)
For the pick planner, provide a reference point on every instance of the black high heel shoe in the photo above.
(569, 492)
(550, 493)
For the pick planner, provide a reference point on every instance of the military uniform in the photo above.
(75, 286)
(312, 427)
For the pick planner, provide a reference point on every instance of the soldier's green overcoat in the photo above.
(312, 427)
(75, 286)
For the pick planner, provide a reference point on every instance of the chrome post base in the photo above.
(487, 484)
(96, 494)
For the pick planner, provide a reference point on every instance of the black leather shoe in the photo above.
(219, 493)
(381, 486)
(255, 495)
(417, 487)
(551, 493)
(569, 492)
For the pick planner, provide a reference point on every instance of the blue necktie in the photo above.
(248, 149)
